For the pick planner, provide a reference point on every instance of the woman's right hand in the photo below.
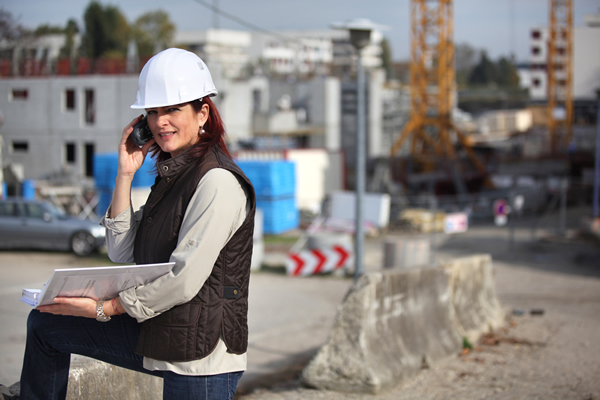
(131, 156)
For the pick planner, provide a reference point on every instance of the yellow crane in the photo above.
(560, 74)
(432, 87)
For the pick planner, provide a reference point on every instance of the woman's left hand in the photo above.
(75, 306)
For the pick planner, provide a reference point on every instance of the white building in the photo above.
(317, 52)
(55, 125)
(586, 60)
(294, 52)
(224, 51)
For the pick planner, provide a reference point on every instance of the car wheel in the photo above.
(83, 243)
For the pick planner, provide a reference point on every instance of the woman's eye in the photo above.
(151, 112)
(172, 109)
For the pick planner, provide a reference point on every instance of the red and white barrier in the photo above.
(316, 261)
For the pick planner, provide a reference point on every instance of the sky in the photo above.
(501, 27)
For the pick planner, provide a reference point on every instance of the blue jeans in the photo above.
(52, 338)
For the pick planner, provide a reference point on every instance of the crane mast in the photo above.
(432, 87)
(560, 74)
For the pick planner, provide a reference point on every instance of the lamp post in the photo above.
(360, 37)
(597, 159)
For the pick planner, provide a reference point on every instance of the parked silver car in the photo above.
(29, 224)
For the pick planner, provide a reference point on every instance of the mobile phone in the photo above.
(141, 132)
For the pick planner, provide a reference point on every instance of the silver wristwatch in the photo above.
(100, 316)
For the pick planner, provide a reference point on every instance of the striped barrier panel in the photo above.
(316, 261)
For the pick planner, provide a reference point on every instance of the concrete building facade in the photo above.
(55, 125)
(586, 61)
(224, 51)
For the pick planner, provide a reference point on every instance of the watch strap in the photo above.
(100, 316)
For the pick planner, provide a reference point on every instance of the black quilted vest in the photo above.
(191, 331)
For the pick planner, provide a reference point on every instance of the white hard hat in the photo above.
(173, 76)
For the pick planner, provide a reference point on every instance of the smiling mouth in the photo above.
(162, 135)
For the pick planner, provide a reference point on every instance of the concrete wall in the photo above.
(476, 307)
(312, 167)
(586, 62)
(43, 122)
(324, 109)
(393, 323)
(91, 379)
(234, 102)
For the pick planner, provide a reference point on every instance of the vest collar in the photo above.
(172, 166)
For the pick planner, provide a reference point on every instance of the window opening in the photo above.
(90, 107)
(20, 94)
(20, 146)
(89, 159)
(69, 99)
(70, 153)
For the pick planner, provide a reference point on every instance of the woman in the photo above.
(189, 326)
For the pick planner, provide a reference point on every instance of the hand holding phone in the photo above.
(141, 133)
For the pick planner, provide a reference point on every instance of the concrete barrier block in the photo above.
(388, 326)
(92, 379)
(406, 253)
(476, 307)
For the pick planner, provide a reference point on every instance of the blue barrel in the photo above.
(28, 189)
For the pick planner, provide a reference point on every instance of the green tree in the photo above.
(153, 31)
(484, 73)
(71, 29)
(464, 57)
(106, 31)
(10, 29)
(47, 30)
(386, 58)
(506, 74)
(118, 32)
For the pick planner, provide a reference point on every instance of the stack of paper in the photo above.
(31, 296)
(96, 283)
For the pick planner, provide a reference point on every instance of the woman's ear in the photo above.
(203, 115)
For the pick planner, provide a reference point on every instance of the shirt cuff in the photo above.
(134, 307)
(120, 224)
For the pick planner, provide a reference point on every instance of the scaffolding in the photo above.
(560, 74)
(432, 88)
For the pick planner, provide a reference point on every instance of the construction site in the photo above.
(479, 272)
(438, 158)
(424, 150)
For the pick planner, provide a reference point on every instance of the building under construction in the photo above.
(419, 142)
(435, 153)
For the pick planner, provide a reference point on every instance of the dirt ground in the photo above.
(550, 289)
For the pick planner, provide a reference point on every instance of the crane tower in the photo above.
(560, 74)
(432, 87)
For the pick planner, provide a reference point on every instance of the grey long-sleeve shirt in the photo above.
(217, 209)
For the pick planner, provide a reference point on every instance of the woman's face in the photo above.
(175, 128)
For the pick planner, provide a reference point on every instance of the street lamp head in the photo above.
(360, 31)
